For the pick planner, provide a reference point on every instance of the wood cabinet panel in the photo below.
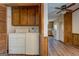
(15, 15)
(24, 16)
(37, 16)
(31, 16)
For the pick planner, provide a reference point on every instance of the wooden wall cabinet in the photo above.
(15, 16)
(25, 16)
(31, 16)
(37, 15)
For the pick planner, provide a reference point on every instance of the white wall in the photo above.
(59, 31)
(45, 19)
(75, 22)
(61, 28)
(56, 29)
(50, 20)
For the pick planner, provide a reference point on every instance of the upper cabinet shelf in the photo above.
(25, 16)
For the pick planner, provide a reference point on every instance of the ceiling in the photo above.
(52, 11)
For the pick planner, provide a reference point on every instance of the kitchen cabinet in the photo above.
(26, 16)
(15, 16)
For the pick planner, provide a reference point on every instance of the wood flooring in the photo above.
(57, 48)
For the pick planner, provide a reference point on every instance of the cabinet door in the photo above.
(24, 16)
(37, 16)
(31, 16)
(15, 17)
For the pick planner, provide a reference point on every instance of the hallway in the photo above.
(57, 48)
